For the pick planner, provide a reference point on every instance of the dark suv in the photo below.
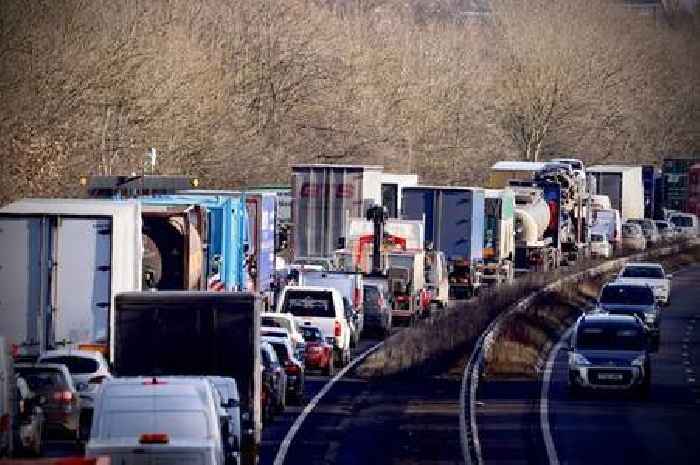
(632, 299)
(609, 352)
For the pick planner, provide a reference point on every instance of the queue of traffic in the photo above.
(611, 346)
(163, 320)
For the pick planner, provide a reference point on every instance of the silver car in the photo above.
(609, 352)
(651, 233)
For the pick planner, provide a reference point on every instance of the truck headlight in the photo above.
(639, 361)
(578, 359)
(649, 317)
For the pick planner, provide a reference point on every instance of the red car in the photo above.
(319, 353)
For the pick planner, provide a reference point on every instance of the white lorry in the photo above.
(623, 185)
(61, 264)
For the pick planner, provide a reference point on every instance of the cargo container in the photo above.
(649, 178)
(325, 195)
(499, 235)
(454, 225)
(195, 334)
(623, 185)
(675, 173)
(61, 264)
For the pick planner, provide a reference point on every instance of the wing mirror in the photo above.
(80, 387)
(231, 403)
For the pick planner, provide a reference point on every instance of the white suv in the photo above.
(323, 308)
(157, 420)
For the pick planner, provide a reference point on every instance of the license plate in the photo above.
(610, 376)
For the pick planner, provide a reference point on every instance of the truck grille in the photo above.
(609, 377)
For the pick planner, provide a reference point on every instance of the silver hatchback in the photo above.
(609, 352)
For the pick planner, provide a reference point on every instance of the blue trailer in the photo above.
(454, 225)
(223, 259)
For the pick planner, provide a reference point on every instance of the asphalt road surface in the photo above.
(607, 428)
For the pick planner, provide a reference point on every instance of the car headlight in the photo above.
(639, 361)
(578, 359)
(649, 317)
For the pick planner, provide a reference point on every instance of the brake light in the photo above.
(15, 350)
(338, 329)
(63, 396)
(5, 423)
(154, 438)
(292, 369)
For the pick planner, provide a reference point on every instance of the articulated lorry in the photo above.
(184, 333)
(499, 236)
(623, 185)
(324, 196)
(454, 225)
(61, 264)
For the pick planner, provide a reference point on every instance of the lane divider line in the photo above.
(470, 381)
(289, 437)
(544, 400)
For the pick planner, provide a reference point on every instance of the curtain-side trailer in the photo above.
(61, 264)
(325, 195)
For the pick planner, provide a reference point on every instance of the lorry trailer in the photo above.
(62, 262)
(623, 185)
(454, 225)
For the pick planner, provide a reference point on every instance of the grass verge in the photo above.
(525, 337)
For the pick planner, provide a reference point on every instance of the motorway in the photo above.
(412, 420)
(606, 428)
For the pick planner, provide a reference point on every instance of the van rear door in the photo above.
(24, 265)
(83, 279)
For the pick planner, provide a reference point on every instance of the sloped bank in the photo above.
(437, 344)
(521, 340)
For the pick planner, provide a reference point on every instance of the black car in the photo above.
(274, 381)
(293, 368)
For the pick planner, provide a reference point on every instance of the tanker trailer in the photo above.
(535, 250)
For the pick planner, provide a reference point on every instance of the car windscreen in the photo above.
(682, 221)
(273, 333)
(610, 337)
(43, 379)
(661, 226)
(311, 334)
(371, 299)
(309, 304)
(629, 231)
(627, 295)
(281, 351)
(597, 238)
(271, 322)
(651, 272)
(75, 365)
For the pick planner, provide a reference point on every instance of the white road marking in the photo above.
(544, 400)
(471, 372)
(289, 437)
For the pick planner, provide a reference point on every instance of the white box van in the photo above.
(7, 398)
(323, 308)
(157, 420)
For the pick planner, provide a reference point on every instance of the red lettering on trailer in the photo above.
(345, 191)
